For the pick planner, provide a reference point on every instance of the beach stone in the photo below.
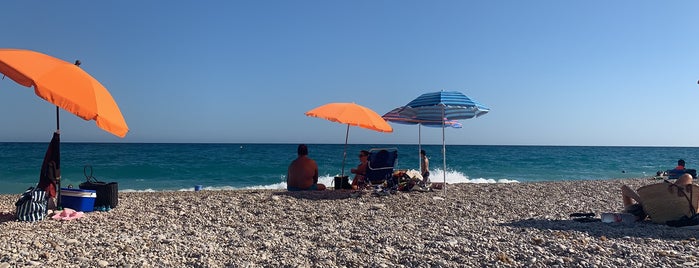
(527, 223)
(377, 206)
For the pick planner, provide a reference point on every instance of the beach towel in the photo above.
(31, 206)
(51, 167)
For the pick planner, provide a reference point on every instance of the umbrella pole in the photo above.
(444, 153)
(419, 148)
(344, 154)
(58, 183)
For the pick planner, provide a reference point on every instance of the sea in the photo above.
(146, 167)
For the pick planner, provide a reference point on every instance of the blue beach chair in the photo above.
(379, 173)
(677, 173)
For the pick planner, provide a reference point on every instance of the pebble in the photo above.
(472, 225)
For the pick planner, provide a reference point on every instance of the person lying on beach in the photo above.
(633, 203)
(360, 171)
(302, 174)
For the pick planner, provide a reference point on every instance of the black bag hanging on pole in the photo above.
(107, 193)
(32, 205)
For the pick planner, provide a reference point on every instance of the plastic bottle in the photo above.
(618, 217)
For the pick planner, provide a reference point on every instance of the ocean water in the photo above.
(175, 167)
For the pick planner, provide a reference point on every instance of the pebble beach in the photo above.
(471, 225)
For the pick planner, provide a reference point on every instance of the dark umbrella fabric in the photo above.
(407, 116)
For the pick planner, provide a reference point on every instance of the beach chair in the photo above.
(665, 201)
(379, 173)
(676, 173)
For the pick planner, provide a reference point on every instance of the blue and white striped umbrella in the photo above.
(441, 107)
(451, 105)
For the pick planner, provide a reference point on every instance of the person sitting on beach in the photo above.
(679, 170)
(360, 171)
(633, 203)
(680, 164)
(302, 174)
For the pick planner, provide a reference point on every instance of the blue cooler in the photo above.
(78, 199)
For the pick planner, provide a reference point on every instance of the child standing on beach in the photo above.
(424, 167)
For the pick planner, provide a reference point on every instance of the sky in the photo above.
(595, 72)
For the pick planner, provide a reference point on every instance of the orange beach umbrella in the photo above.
(66, 85)
(353, 115)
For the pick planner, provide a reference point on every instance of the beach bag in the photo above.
(107, 192)
(32, 205)
(342, 182)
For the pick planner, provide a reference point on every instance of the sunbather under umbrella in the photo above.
(353, 115)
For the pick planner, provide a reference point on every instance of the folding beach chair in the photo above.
(673, 174)
(379, 173)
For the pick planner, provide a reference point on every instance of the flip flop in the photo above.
(584, 217)
(583, 214)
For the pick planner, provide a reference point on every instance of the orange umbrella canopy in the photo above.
(66, 85)
(351, 114)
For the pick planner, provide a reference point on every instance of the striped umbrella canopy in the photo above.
(443, 106)
(406, 116)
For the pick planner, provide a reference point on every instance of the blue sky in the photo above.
(552, 72)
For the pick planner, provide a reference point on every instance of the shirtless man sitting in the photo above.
(303, 172)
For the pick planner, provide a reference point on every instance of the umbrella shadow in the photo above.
(646, 229)
(319, 195)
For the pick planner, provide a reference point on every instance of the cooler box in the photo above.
(80, 200)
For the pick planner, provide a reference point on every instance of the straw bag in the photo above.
(665, 202)
(32, 205)
(107, 193)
